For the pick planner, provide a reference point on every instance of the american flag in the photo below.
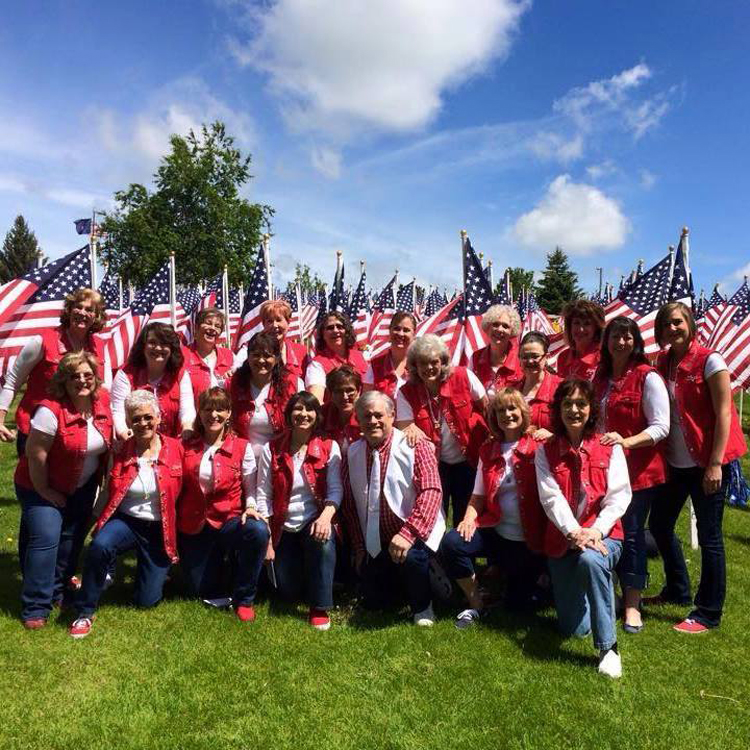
(734, 342)
(234, 309)
(642, 300)
(337, 299)
(110, 291)
(712, 313)
(151, 303)
(33, 303)
(257, 293)
(419, 306)
(477, 299)
(188, 301)
(725, 327)
(359, 311)
(210, 295)
(435, 302)
(446, 323)
(504, 296)
(534, 318)
(405, 297)
(382, 313)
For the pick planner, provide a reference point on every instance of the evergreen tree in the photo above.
(20, 251)
(520, 278)
(558, 285)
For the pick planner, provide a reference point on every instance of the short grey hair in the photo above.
(368, 400)
(496, 312)
(142, 397)
(424, 348)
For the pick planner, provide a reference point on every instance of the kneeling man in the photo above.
(393, 508)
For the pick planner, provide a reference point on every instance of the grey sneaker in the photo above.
(425, 618)
(467, 619)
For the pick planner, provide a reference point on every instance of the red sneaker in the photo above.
(81, 627)
(74, 583)
(319, 619)
(245, 613)
(690, 626)
(35, 623)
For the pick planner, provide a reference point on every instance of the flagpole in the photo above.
(92, 246)
(338, 284)
(599, 293)
(225, 292)
(413, 294)
(492, 280)
(395, 289)
(464, 235)
(267, 260)
(172, 292)
(119, 290)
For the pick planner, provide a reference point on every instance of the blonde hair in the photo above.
(66, 369)
(87, 295)
(421, 349)
(502, 396)
(495, 312)
(665, 313)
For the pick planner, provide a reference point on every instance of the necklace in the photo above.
(435, 413)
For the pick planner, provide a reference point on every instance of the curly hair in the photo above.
(495, 312)
(662, 319)
(421, 349)
(165, 335)
(568, 388)
(66, 369)
(85, 295)
(349, 338)
(212, 398)
(638, 355)
(502, 396)
(587, 310)
(310, 402)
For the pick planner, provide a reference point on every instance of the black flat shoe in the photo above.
(632, 629)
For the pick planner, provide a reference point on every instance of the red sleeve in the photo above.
(429, 497)
(349, 511)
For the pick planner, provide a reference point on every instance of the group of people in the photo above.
(313, 465)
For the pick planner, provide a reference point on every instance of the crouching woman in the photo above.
(584, 489)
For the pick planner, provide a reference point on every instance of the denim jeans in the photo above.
(119, 535)
(382, 579)
(584, 593)
(52, 541)
(709, 512)
(457, 481)
(304, 565)
(520, 564)
(202, 557)
(633, 566)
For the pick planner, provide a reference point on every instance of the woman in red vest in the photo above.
(704, 437)
(537, 384)
(584, 490)
(503, 521)
(276, 316)
(144, 483)
(218, 486)
(260, 391)
(56, 481)
(339, 417)
(387, 372)
(634, 414)
(299, 490)
(156, 364)
(83, 316)
(334, 344)
(445, 405)
(497, 364)
(208, 360)
(583, 323)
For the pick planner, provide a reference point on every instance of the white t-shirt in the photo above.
(260, 430)
(142, 498)
(44, 420)
(249, 473)
(678, 454)
(450, 450)
(369, 379)
(315, 374)
(507, 496)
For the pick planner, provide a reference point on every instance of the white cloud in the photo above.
(551, 146)
(579, 217)
(327, 161)
(66, 196)
(382, 64)
(648, 179)
(603, 169)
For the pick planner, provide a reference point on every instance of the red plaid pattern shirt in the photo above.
(429, 498)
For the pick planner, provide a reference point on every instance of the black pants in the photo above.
(457, 481)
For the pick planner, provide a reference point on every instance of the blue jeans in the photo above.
(382, 579)
(457, 482)
(521, 565)
(584, 593)
(709, 512)
(633, 567)
(303, 564)
(119, 535)
(202, 557)
(52, 541)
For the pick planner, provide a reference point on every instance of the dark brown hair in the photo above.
(212, 398)
(583, 308)
(349, 338)
(565, 389)
(665, 313)
(341, 375)
(165, 335)
(210, 312)
(268, 344)
(310, 402)
(638, 355)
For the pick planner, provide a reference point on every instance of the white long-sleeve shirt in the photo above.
(614, 503)
(302, 507)
(249, 473)
(121, 389)
(28, 358)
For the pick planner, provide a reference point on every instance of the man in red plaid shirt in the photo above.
(393, 508)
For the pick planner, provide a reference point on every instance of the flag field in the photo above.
(182, 676)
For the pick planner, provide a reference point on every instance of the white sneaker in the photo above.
(425, 618)
(611, 664)
(467, 618)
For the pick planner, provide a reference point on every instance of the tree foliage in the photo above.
(520, 278)
(20, 251)
(559, 284)
(308, 281)
(195, 211)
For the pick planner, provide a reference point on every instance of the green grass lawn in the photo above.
(182, 676)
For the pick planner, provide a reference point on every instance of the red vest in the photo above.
(573, 469)
(333, 428)
(168, 481)
(54, 348)
(540, 407)
(167, 393)
(68, 451)
(194, 508)
(243, 406)
(314, 469)
(533, 519)
(384, 376)
(463, 418)
(200, 373)
(571, 366)
(646, 466)
(509, 370)
(331, 361)
(695, 408)
(296, 358)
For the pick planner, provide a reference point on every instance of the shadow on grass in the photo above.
(740, 539)
(8, 501)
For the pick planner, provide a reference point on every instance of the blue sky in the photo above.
(383, 127)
